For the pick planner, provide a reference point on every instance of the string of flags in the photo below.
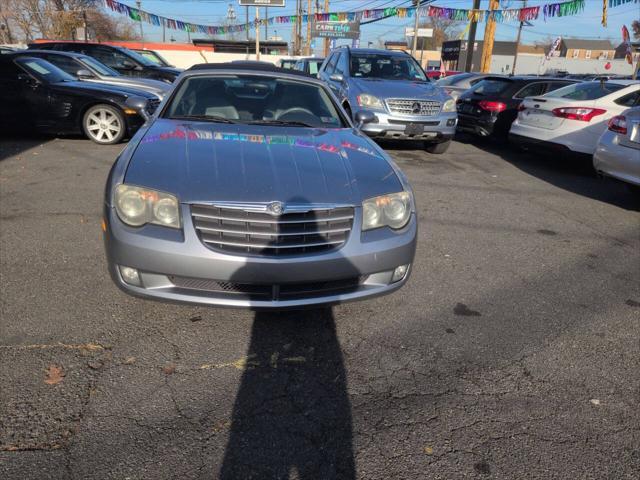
(556, 9)
(606, 4)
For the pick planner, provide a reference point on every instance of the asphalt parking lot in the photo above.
(513, 352)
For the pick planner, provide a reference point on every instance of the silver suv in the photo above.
(392, 85)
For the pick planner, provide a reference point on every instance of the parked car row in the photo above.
(65, 88)
(597, 118)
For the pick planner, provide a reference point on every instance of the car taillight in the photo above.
(490, 106)
(618, 124)
(583, 114)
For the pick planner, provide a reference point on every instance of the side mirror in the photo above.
(364, 116)
(336, 77)
(84, 73)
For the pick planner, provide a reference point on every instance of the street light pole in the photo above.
(472, 39)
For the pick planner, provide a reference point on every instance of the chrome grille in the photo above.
(241, 231)
(407, 106)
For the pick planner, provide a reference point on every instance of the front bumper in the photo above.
(163, 256)
(437, 128)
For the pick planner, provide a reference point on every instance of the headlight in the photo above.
(366, 100)
(137, 206)
(391, 210)
(449, 105)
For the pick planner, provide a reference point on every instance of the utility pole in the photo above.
(266, 24)
(472, 39)
(139, 5)
(326, 40)
(489, 35)
(84, 22)
(415, 29)
(308, 48)
(164, 30)
(247, 22)
(515, 58)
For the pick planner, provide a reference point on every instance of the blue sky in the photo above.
(214, 12)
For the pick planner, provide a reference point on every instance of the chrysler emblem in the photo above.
(275, 208)
(415, 108)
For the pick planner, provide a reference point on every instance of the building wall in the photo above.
(584, 54)
(536, 64)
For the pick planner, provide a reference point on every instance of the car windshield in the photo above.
(491, 86)
(453, 79)
(153, 57)
(101, 68)
(586, 91)
(254, 99)
(44, 70)
(138, 58)
(386, 67)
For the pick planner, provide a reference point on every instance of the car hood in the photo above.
(400, 89)
(154, 86)
(209, 162)
(105, 88)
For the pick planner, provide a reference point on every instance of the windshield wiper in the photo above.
(208, 118)
(292, 123)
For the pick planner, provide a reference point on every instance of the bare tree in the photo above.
(443, 30)
(635, 27)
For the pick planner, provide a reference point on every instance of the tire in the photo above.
(437, 148)
(104, 124)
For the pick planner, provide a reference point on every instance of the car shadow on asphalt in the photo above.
(292, 413)
(13, 144)
(569, 172)
(292, 416)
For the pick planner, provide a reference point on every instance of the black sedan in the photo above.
(125, 61)
(88, 69)
(490, 107)
(35, 94)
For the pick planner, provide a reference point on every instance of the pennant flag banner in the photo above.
(561, 9)
(615, 3)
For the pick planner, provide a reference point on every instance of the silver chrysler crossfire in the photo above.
(251, 187)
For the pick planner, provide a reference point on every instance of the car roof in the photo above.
(53, 52)
(621, 81)
(371, 51)
(248, 66)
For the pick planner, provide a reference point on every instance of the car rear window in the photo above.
(492, 86)
(586, 91)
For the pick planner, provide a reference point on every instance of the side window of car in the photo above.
(531, 90)
(111, 58)
(342, 65)
(477, 80)
(66, 64)
(331, 64)
(629, 100)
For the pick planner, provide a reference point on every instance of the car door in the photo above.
(35, 96)
(13, 82)
(115, 59)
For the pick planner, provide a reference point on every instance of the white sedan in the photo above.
(618, 152)
(573, 117)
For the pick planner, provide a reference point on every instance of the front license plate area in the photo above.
(414, 129)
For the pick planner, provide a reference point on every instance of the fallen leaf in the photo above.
(95, 364)
(197, 318)
(54, 375)
(595, 401)
(428, 450)
(169, 369)
(129, 360)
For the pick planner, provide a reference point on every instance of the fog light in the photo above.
(451, 122)
(399, 273)
(131, 275)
